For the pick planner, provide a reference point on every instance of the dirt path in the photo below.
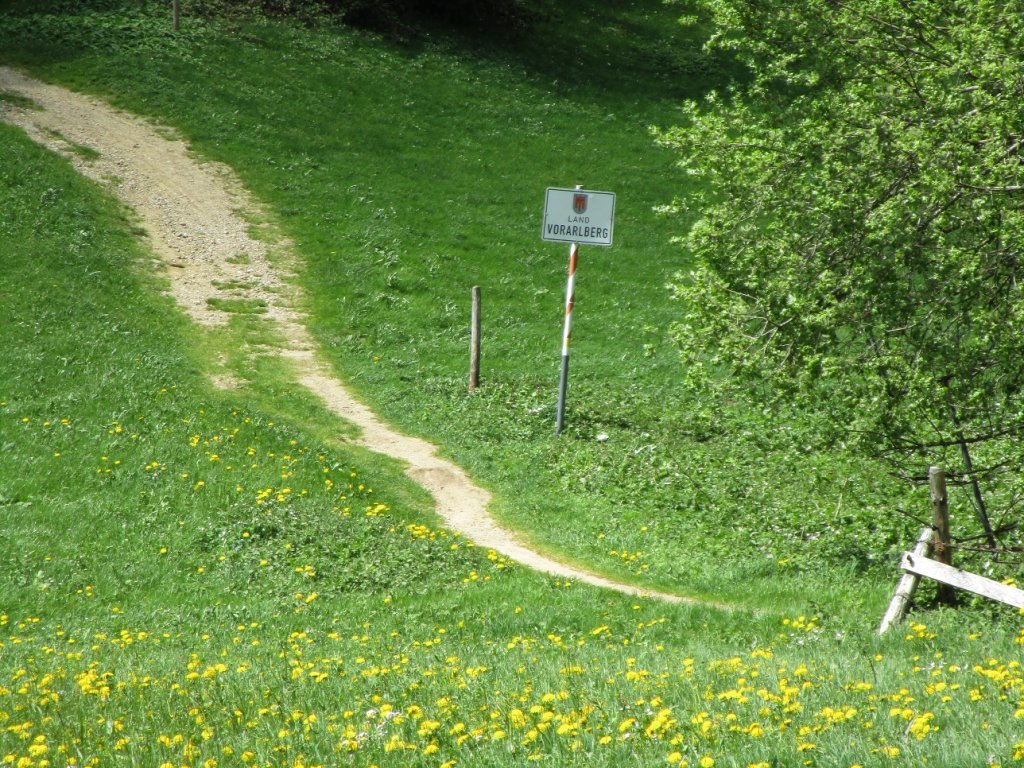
(197, 217)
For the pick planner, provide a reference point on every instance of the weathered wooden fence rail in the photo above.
(917, 565)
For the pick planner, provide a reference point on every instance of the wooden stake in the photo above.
(907, 587)
(940, 525)
(474, 341)
(176, 14)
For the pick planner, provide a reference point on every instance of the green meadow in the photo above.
(198, 577)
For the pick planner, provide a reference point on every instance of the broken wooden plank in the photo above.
(919, 565)
(907, 586)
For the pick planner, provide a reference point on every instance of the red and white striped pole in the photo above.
(570, 299)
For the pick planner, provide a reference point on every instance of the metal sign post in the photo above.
(575, 216)
(570, 299)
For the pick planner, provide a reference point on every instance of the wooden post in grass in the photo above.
(940, 525)
(474, 341)
(176, 14)
(907, 587)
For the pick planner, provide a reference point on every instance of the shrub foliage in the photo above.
(860, 245)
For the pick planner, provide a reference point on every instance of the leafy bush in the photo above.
(859, 243)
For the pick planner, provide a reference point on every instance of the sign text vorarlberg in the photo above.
(578, 216)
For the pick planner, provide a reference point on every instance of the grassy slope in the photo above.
(408, 173)
(154, 589)
(90, 599)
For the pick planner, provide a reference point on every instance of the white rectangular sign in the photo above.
(578, 216)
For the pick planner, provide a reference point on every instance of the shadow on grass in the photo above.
(614, 50)
(606, 51)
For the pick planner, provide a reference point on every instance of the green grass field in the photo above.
(407, 173)
(194, 577)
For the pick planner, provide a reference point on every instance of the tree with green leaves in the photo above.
(858, 246)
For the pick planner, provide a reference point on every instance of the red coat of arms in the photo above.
(579, 202)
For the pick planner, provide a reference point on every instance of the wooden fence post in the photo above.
(176, 14)
(474, 341)
(907, 587)
(940, 525)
